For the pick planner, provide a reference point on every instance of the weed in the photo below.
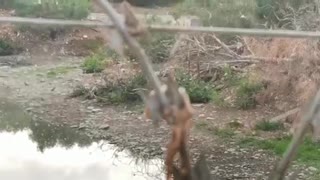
(308, 152)
(158, 46)
(230, 78)
(95, 63)
(245, 93)
(268, 126)
(78, 91)
(58, 71)
(198, 90)
(93, 44)
(218, 99)
(240, 13)
(124, 92)
(6, 48)
(221, 132)
(61, 9)
(224, 132)
(202, 125)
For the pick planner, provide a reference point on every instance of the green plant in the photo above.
(58, 71)
(6, 3)
(198, 90)
(268, 126)
(218, 99)
(240, 13)
(158, 46)
(6, 48)
(308, 152)
(71, 9)
(123, 92)
(224, 132)
(230, 77)
(245, 93)
(95, 63)
(78, 91)
(281, 14)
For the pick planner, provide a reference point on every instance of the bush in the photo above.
(124, 92)
(6, 48)
(269, 126)
(149, 3)
(280, 14)
(6, 3)
(95, 63)
(245, 93)
(239, 13)
(198, 90)
(157, 47)
(61, 9)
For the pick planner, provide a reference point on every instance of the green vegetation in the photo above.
(308, 151)
(198, 90)
(280, 14)
(58, 71)
(157, 47)
(53, 9)
(221, 132)
(269, 126)
(62, 9)
(6, 3)
(6, 48)
(224, 132)
(93, 45)
(96, 62)
(240, 13)
(123, 92)
(245, 94)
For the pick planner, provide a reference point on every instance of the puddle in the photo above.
(31, 150)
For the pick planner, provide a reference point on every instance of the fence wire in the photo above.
(165, 28)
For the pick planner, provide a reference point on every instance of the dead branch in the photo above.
(289, 155)
(284, 115)
(225, 47)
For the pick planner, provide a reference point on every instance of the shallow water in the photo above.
(35, 150)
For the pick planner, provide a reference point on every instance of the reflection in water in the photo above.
(32, 150)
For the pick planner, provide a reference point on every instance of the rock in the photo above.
(90, 107)
(104, 127)
(29, 109)
(95, 110)
(74, 126)
(81, 126)
(312, 169)
(198, 105)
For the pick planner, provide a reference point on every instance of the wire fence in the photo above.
(164, 28)
(113, 22)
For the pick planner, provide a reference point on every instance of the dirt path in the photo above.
(42, 90)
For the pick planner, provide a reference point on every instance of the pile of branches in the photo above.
(207, 55)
